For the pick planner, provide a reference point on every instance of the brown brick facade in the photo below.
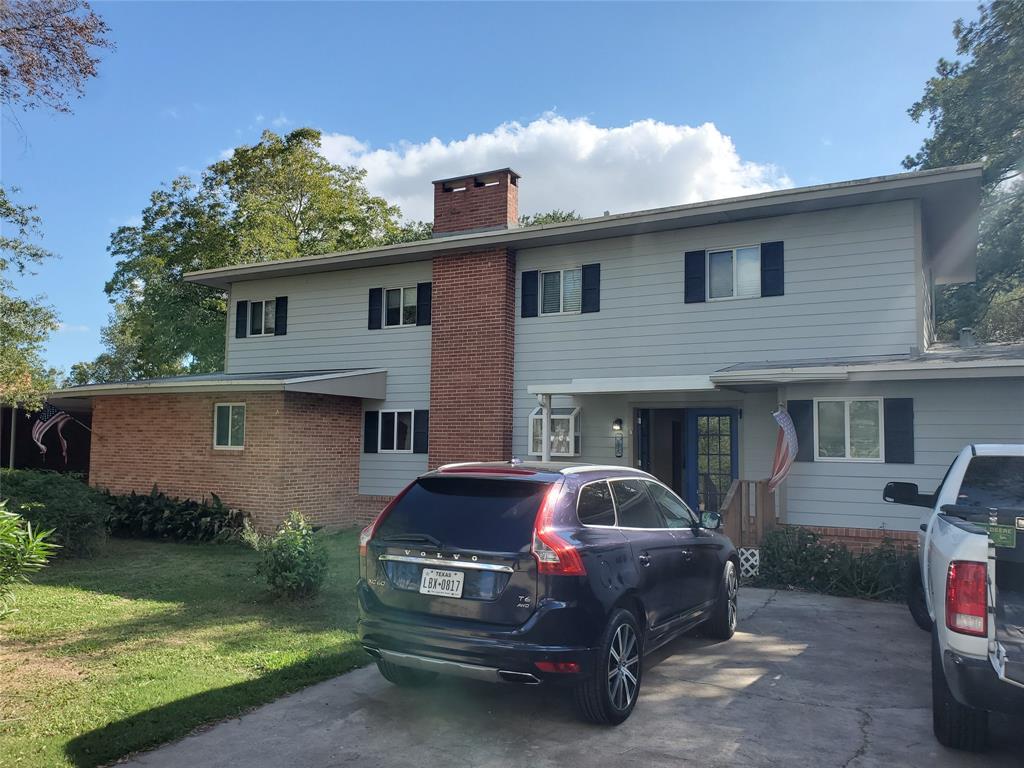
(480, 202)
(301, 452)
(472, 342)
(862, 539)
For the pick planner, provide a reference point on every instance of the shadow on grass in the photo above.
(176, 719)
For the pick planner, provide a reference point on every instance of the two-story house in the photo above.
(662, 339)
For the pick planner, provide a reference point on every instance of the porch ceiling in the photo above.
(626, 385)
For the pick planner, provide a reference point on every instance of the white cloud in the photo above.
(280, 121)
(570, 164)
(72, 328)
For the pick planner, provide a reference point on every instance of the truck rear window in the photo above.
(993, 481)
(481, 514)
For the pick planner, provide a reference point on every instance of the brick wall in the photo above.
(462, 205)
(862, 539)
(301, 452)
(471, 346)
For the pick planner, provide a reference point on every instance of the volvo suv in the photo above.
(536, 573)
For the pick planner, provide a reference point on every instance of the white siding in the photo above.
(947, 416)
(327, 319)
(850, 290)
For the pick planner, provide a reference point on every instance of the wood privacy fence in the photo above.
(748, 512)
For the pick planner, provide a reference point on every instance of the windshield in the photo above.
(993, 481)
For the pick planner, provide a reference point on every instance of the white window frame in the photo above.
(735, 272)
(263, 314)
(846, 427)
(561, 293)
(401, 308)
(230, 407)
(536, 423)
(380, 431)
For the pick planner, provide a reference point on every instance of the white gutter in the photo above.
(895, 370)
(626, 385)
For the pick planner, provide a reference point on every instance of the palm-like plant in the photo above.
(22, 551)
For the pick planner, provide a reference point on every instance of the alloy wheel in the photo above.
(732, 589)
(623, 667)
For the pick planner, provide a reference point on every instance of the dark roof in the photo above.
(936, 354)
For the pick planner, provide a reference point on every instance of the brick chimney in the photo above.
(476, 203)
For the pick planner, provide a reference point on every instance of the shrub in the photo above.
(22, 551)
(793, 557)
(294, 560)
(155, 515)
(64, 504)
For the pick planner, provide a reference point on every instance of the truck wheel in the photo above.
(607, 696)
(722, 623)
(916, 600)
(404, 677)
(956, 725)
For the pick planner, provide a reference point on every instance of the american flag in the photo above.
(785, 449)
(51, 416)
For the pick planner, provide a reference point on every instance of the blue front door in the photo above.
(711, 456)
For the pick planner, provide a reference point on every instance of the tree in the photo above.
(25, 323)
(46, 51)
(551, 217)
(976, 111)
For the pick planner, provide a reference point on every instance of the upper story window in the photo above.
(399, 306)
(561, 291)
(229, 426)
(734, 272)
(849, 429)
(261, 317)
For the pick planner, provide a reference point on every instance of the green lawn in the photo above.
(149, 640)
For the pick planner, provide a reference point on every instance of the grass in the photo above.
(149, 640)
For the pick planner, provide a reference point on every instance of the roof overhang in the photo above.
(625, 385)
(364, 383)
(949, 197)
(915, 370)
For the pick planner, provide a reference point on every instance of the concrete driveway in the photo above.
(807, 681)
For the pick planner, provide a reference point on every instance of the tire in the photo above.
(404, 677)
(916, 600)
(956, 725)
(608, 695)
(722, 624)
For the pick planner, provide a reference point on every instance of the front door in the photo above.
(711, 456)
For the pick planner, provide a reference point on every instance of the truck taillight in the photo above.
(966, 598)
(368, 532)
(555, 556)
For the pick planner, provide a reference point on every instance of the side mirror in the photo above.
(906, 493)
(711, 520)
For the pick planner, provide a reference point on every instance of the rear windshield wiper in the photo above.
(416, 537)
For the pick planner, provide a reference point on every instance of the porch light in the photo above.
(617, 425)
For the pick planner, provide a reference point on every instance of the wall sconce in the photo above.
(618, 439)
(617, 425)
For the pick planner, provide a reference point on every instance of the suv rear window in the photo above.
(594, 506)
(481, 514)
(993, 481)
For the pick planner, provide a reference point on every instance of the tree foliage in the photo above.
(556, 216)
(47, 51)
(975, 108)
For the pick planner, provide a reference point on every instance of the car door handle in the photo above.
(645, 559)
(687, 553)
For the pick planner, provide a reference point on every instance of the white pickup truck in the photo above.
(969, 592)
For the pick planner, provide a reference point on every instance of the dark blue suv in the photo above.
(530, 573)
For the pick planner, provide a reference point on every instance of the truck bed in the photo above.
(1009, 618)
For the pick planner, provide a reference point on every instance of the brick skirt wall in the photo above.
(862, 539)
(301, 452)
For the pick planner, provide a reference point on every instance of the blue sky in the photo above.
(606, 105)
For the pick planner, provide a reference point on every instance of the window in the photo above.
(673, 510)
(848, 429)
(229, 426)
(734, 272)
(399, 307)
(396, 431)
(993, 482)
(261, 317)
(636, 508)
(594, 505)
(565, 432)
(561, 291)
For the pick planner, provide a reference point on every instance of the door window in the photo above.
(675, 513)
(635, 506)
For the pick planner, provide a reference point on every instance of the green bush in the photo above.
(64, 504)
(22, 551)
(793, 557)
(294, 560)
(155, 515)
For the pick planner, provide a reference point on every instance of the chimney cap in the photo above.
(496, 171)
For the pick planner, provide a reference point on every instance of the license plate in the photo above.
(444, 583)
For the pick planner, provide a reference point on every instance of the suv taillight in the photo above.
(368, 532)
(966, 598)
(555, 556)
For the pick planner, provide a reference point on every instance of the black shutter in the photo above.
(281, 316)
(241, 319)
(370, 419)
(802, 414)
(420, 431)
(424, 299)
(376, 307)
(591, 301)
(642, 438)
(899, 430)
(529, 298)
(693, 277)
(773, 273)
